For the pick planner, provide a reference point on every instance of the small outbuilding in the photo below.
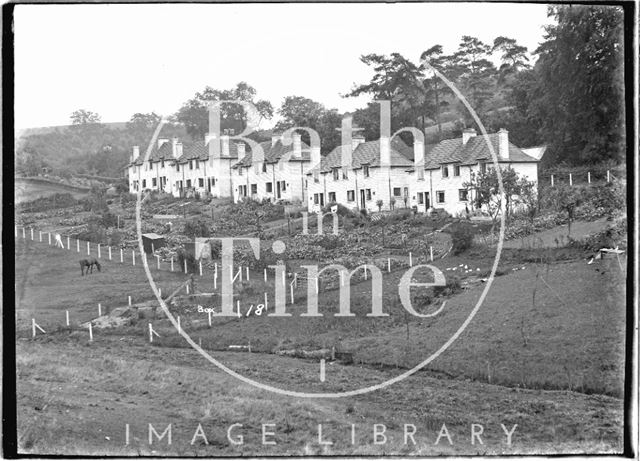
(152, 242)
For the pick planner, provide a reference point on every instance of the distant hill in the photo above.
(22, 132)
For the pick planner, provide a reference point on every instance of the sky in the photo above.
(120, 59)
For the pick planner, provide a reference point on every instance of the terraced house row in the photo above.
(384, 173)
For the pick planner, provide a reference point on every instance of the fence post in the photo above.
(121, 255)
(589, 177)
(388, 264)
(570, 179)
(67, 317)
(265, 274)
(78, 245)
(88, 248)
(410, 260)
(209, 315)
(90, 332)
(365, 272)
(109, 253)
(32, 233)
(68, 243)
(200, 264)
(158, 262)
(431, 253)
(247, 273)
(608, 176)
(49, 233)
(266, 301)
(291, 291)
(185, 265)
(99, 310)
(133, 256)
(39, 234)
(551, 180)
(129, 300)
(99, 254)
(171, 263)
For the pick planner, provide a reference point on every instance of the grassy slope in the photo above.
(75, 398)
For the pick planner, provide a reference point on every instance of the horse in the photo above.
(88, 263)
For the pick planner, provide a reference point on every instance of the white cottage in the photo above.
(450, 163)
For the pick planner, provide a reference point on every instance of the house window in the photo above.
(177, 167)
(351, 196)
(396, 192)
(456, 170)
(264, 167)
(336, 174)
(191, 164)
(315, 199)
(483, 167)
(188, 183)
(269, 187)
(144, 183)
(281, 166)
(200, 182)
(365, 171)
(332, 197)
(420, 174)
(257, 168)
(316, 177)
(283, 186)
(151, 164)
(406, 192)
(345, 174)
(240, 171)
(440, 196)
(368, 192)
(445, 171)
(254, 189)
(153, 182)
(162, 163)
(197, 164)
(420, 198)
(463, 195)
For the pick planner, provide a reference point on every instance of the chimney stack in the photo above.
(503, 143)
(135, 154)
(161, 141)
(177, 152)
(385, 151)
(315, 156)
(418, 154)
(356, 140)
(297, 145)
(467, 134)
(241, 150)
(174, 144)
(225, 145)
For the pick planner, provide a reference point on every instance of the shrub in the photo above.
(452, 287)
(49, 202)
(196, 228)
(191, 261)
(462, 238)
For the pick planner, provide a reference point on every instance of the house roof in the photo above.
(476, 149)
(367, 153)
(200, 151)
(164, 152)
(273, 154)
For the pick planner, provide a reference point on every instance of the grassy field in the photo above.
(543, 333)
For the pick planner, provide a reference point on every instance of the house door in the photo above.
(278, 190)
(363, 203)
(427, 202)
(321, 200)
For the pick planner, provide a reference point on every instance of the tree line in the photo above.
(567, 94)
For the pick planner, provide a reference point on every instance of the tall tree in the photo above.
(194, 113)
(305, 112)
(581, 84)
(84, 117)
(513, 58)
